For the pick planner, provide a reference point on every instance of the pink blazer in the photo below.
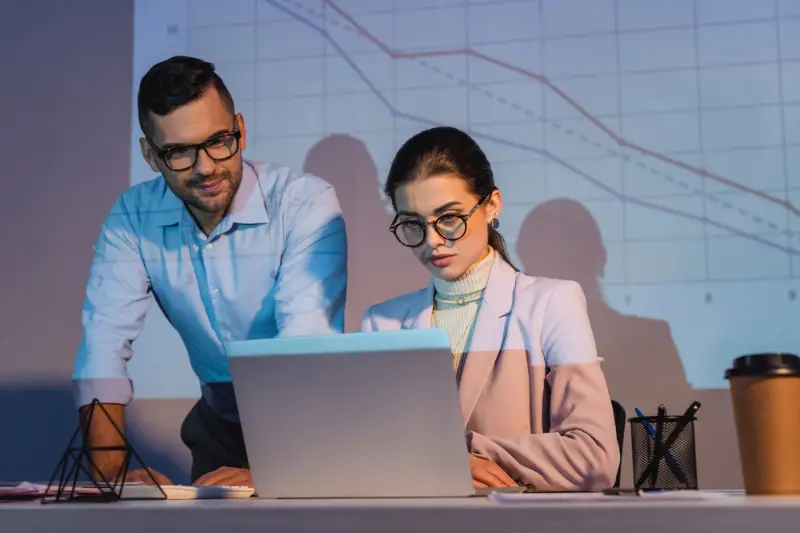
(532, 391)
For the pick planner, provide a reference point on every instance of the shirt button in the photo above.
(208, 246)
(214, 291)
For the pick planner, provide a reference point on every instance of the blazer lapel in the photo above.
(419, 314)
(487, 336)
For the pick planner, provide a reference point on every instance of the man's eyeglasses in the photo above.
(449, 226)
(219, 148)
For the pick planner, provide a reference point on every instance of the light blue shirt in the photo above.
(275, 266)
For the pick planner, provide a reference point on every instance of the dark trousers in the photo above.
(213, 441)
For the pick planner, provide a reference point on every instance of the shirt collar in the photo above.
(248, 205)
(170, 209)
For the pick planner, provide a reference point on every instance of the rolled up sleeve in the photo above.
(117, 298)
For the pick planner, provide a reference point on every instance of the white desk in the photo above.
(621, 514)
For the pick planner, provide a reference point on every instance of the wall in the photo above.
(65, 108)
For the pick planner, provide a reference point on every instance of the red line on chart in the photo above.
(564, 96)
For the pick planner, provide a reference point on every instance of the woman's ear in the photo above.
(494, 204)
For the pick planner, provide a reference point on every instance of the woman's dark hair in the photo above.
(175, 82)
(445, 150)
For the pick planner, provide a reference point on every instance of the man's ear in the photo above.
(148, 154)
(243, 139)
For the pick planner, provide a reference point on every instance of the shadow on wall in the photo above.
(39, 419)
(378, 266)
(560, 239)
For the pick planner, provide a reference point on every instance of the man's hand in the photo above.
(226, 476)
(140, 476)
(486, 473)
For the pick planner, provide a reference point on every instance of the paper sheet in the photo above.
(580, 497)
(30, 491)
(134, 490)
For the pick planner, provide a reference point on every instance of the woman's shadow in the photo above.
(561, 239)
(378, 266)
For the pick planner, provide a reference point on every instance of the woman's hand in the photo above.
(486, 473)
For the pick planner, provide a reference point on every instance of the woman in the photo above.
(533, 395)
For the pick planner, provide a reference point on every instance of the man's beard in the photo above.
(208, 203)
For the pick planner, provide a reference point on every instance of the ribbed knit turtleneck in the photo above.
(456, 305)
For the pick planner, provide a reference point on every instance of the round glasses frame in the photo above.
(435, 224)
(193, 149)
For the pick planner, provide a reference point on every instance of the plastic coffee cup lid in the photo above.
(764, 364)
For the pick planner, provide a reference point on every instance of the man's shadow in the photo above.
(40, 418)
(378, 266)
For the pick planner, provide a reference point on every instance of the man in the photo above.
(230, 250)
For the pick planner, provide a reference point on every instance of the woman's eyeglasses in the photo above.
(449, 226)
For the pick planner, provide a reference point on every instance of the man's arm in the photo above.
(100, 431)
(117, 298)
(312, 278)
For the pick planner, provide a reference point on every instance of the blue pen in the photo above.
(673, 464)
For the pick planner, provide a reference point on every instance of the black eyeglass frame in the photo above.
(393, 227)
(235, 134)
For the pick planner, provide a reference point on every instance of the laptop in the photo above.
(355, 415)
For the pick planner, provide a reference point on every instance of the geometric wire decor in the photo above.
(77, 461)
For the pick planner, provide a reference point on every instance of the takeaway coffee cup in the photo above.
(765, 389)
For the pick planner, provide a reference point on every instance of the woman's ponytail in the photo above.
(497, 242)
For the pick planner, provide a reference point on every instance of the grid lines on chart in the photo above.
(663, 128)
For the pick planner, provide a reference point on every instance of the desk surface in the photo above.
(734, 513)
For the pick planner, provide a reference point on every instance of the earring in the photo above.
(494, 223)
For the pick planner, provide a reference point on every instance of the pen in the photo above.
(685, 418)
(673, 464)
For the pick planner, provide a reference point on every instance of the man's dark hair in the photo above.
(173, 83)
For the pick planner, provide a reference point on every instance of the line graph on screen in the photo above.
(771, 234)
(679, 146)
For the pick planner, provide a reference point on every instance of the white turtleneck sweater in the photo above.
(456, 304)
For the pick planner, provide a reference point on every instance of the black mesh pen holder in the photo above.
(664, 456)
